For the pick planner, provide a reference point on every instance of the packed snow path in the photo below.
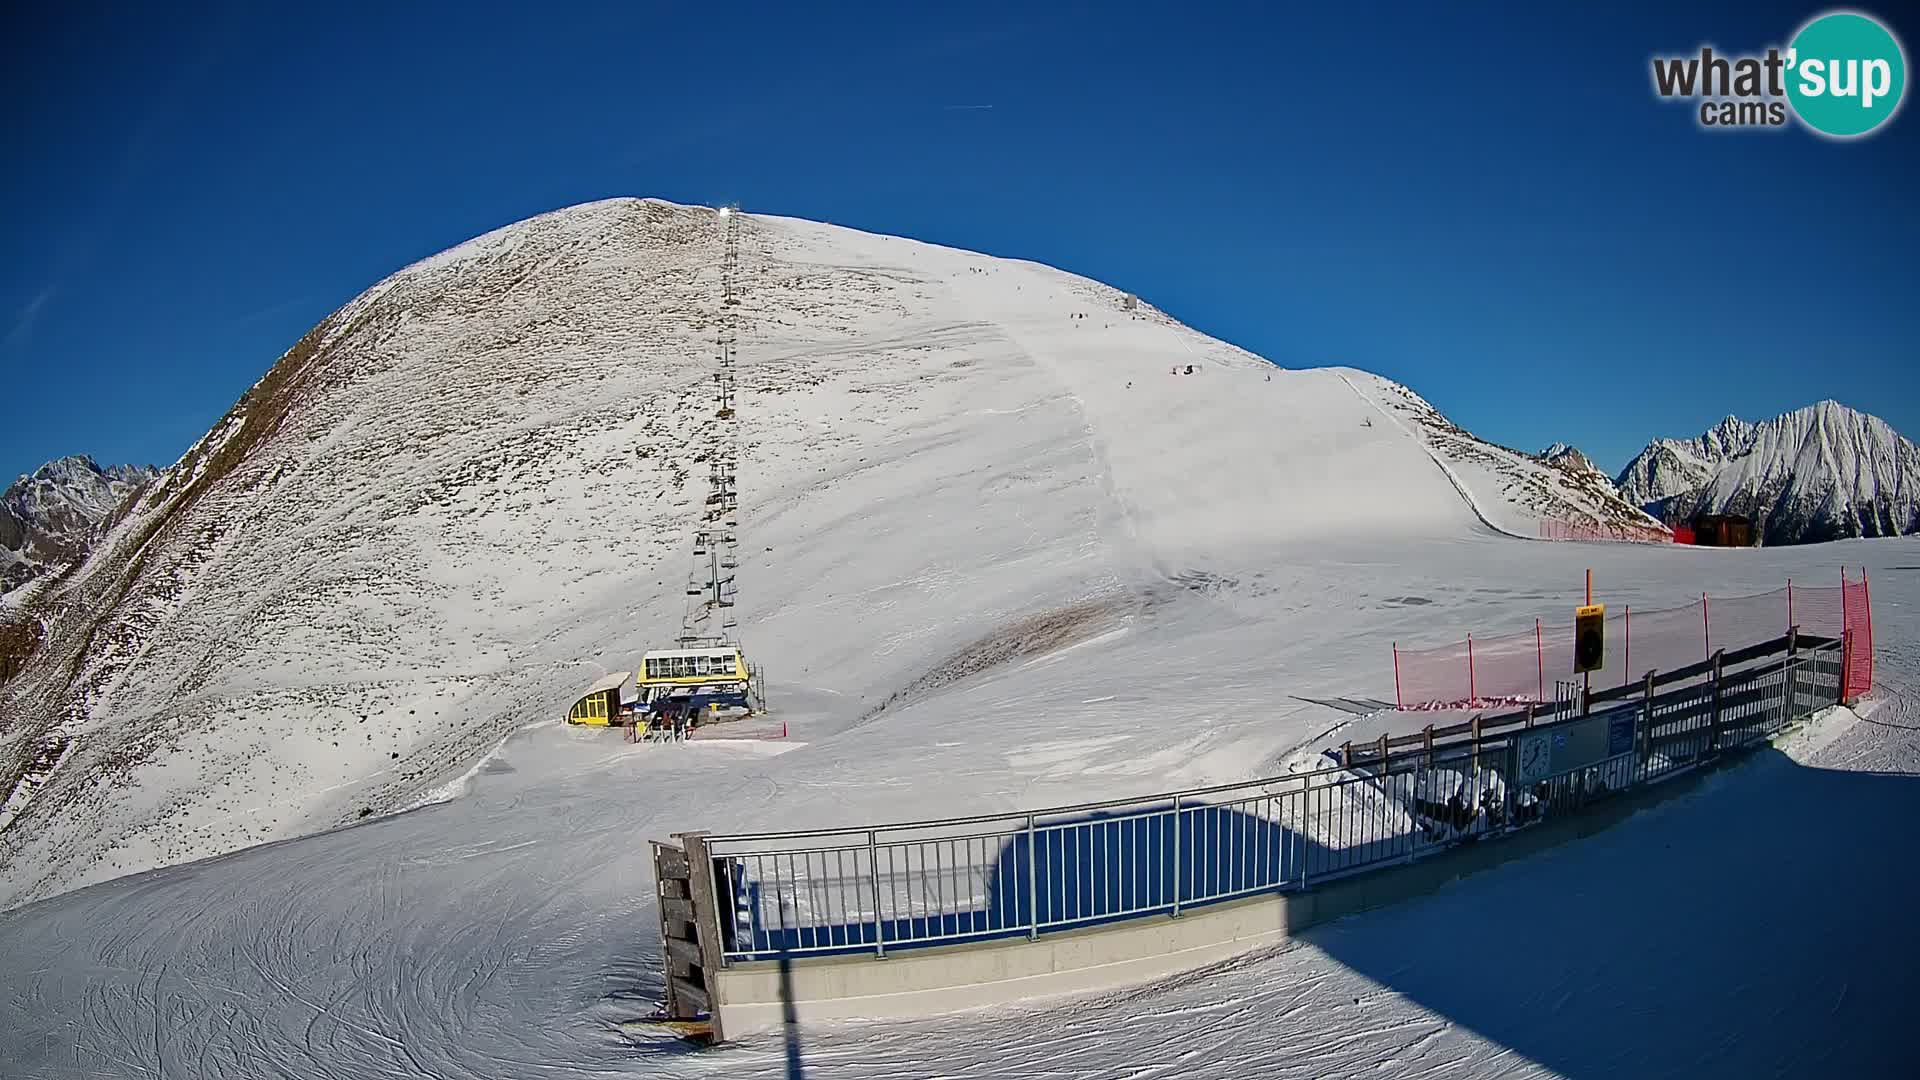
(1740, 931)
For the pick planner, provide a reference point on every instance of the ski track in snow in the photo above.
(946, 468)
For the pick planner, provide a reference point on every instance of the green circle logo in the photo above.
(1846, 74)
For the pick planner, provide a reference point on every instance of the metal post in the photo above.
(1300, 845)
(873, 878)
(1540, 663)
(1399, 702)
(1033, 892)
(1846, 636)
(1176, 856)
(1473, 692)
(1866, 618)
(1626, 666)
(1706, 623)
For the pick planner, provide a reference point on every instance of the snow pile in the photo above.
(1820, 473)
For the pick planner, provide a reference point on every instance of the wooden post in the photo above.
(706, 923)
(1383, 752)
(1790, 678)
(1346, 754)
(1713, 727)
(1646, 724)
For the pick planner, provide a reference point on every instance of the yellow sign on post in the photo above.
(1590, 638)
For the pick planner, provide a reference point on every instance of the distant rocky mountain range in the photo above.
(49, 517)
(1825, 472)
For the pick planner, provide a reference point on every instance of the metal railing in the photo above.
(1009, 875)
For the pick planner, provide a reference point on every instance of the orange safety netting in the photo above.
(1523, 667)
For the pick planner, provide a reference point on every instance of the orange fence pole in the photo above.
(1866, 603)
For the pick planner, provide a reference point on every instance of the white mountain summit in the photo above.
(1823, 472)
(49, 517)
(472, 489)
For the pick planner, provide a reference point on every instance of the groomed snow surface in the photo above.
(984, 573)
(1758, 926)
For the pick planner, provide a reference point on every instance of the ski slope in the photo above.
(508, 931)
(471, 491)
(982, 570)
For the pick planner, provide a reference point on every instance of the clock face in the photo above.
(1535, 757)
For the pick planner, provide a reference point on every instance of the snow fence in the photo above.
(1523, 667)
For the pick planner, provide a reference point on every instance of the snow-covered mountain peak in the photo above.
(1820, 472)
(49, 517)
(475, 485)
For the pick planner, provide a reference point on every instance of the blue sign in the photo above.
(1620, 732)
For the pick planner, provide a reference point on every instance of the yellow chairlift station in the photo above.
(601, 706)
(692, 667)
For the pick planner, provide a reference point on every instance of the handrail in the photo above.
(877, 888)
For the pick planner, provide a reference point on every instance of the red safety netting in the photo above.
(1590, 530)
(1523, 667)
(1857, 670)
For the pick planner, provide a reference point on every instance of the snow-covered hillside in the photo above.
(468, 492)
(996, 554)
(1818, 473)
(48, 518)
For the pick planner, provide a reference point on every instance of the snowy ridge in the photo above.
(1823, 472)
(1511, 491)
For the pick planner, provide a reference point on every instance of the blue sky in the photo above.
(1487, 204)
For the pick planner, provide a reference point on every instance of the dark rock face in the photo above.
(49, 517)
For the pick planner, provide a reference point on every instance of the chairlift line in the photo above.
(705, 671)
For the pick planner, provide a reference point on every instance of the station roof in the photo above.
(613, 680)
